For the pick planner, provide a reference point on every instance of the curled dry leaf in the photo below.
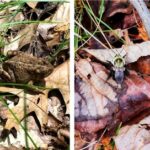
(124, 11)
(21, 39)
(141, 66)
(59, 79)
(117, 7)
(60, 23)
(136, 136)
(99, 103)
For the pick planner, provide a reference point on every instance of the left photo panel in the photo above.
(34, 75)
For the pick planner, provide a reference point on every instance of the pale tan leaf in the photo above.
(24, 37)
(60, 79)
(135, 137)
(31, 103)
(32, 4)
(60, 21)
(132, 52)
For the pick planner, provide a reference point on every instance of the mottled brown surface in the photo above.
(22, 68)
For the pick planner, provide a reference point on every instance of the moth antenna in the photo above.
(121, 50)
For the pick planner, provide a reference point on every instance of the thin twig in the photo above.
(143, 12)
(91, 144)
(90, 34)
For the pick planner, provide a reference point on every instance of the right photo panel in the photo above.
(112, 75)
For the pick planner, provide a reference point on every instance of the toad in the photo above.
(23, 68)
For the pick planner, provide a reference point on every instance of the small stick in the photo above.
(143, 12)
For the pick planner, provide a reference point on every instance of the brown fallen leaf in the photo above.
(116, 6)
(33, 104)
(141, 66)
(136, 136)
(78, 141)
(142, 33)
(59, 23)
(59, 79)
(21, 39)
(105, 143)
(98, 102)
(93, 97)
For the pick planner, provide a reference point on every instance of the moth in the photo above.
(117, 66)
(119, 69)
